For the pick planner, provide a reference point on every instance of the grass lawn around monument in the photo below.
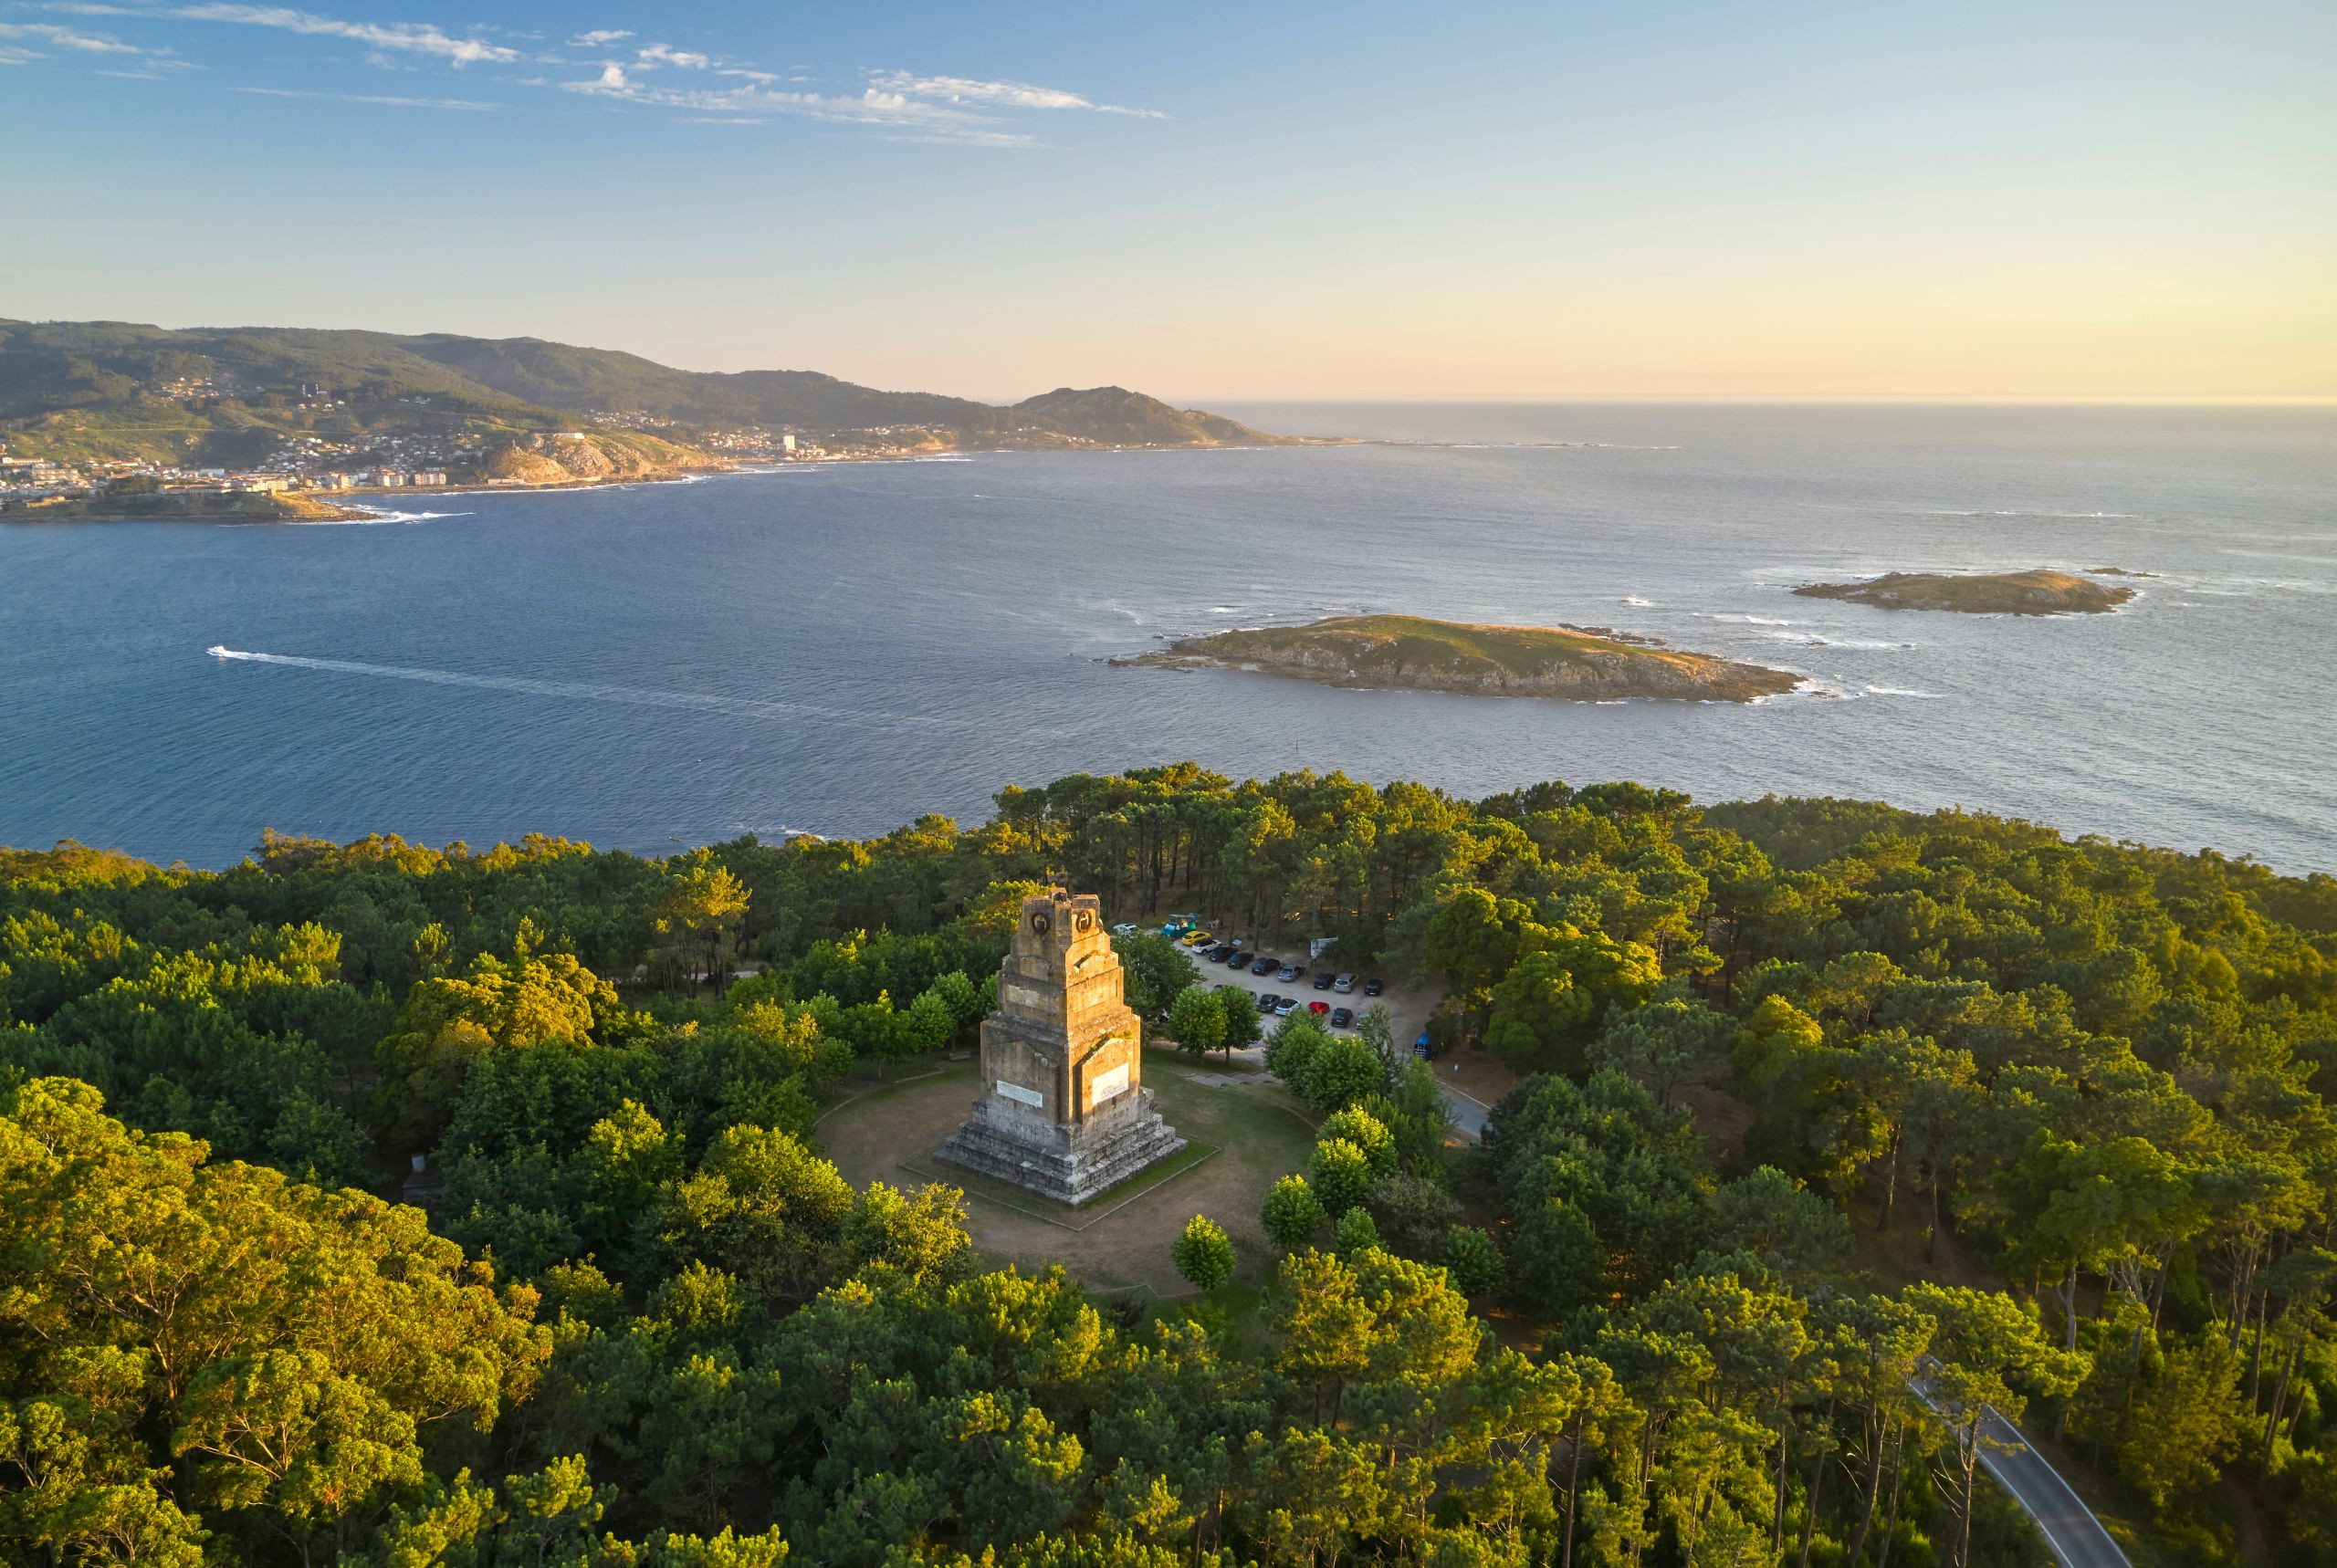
(1242, 1136)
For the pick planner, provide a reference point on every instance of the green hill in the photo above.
(78, 391)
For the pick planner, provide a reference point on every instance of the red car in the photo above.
(1318, 1009)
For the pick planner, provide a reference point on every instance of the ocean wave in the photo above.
(588, 691)
(372, 518)
(1635, 598)
(1901, 691)
(2020, 512)
(1820, 639)
(1744, 619)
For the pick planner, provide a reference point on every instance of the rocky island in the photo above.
(2040, 592)
(1566, 661)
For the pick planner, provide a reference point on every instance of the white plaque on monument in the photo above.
(1017, 1092)
(1109, 1084)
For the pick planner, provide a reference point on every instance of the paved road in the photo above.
(2075, 1537)
(1468, 1115)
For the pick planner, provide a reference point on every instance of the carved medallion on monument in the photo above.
(1063, 1111)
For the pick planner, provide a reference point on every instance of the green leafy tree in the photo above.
(1291, 1213)
(1474, 1262)
(1242, 1029)
(1203, 1254)
(1341, 1175)
(1196, 1020)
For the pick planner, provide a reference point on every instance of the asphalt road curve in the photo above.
(2075, 1537)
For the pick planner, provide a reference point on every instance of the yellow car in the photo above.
(1196, 939)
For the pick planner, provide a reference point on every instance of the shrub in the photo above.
(1366, 1132)
(1291, 1213)
(1203, 1254)
(1342, 1176)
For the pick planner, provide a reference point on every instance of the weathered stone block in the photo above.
(1064, 1112)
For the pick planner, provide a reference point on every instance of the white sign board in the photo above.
(1107, 1084)
(1017, 1092)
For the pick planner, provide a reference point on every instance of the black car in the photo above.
(1216, 951)
(1323, 981)
(1372, 987)
(1237, 960)
(1342, 1018)
(1265, 967)
(1266, 1001)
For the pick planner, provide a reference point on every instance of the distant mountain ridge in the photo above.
(105, 390)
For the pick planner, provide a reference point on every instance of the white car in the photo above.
(1123, 930)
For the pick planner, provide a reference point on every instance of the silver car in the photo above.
(1344, 984)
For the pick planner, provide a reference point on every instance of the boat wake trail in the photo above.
(586, 691)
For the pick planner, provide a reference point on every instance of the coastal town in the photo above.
(315, 467)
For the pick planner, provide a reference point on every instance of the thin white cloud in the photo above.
(1003, 94)
(405, 37)
(467, 105)
(667, 55)
(900, 105)
(893, 111)
(58, 37)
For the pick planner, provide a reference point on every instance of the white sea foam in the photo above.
(2020, 512)
(1820, 639)
(1635, 598)
(1899, 692)
(588, 691)
(371, 518)
(1744, 619)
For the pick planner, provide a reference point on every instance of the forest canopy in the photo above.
(378, 1204)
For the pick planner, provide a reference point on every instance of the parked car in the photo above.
(1422, 1047)
(1323, 981)
(1237, 960)
(1268, 1001)
(1198, 940)
(1289, 972)
(1215, 952)
(1344, 984)
(1285, 1007)
(1371, 987)
(1265, 967)
(1124, 929)
(1342, 1018)
(1318, 1009)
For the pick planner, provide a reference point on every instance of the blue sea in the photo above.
(837, 649)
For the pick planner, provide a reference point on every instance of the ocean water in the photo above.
(839, 649)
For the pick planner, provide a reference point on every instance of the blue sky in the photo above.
(1216, 201)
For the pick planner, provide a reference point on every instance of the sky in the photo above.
(1747, 199)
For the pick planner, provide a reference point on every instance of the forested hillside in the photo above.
(1816, 1093)
(86, 391)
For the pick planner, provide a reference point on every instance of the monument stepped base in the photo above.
(1069, 1162)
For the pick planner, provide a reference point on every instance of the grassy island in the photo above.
(1493, 661)
(2040, 592)
(183, 506)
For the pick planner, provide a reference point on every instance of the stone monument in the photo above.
(1063, 1111)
